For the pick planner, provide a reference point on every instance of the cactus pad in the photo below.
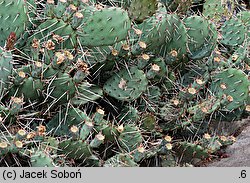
(126, 85)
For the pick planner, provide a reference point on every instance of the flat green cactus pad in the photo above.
(126, 85)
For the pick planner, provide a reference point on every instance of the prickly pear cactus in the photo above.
(127, 85)
(130, 138)
(14, 17)
(41, 159)
(202, 36)
(75, 149)
(103, 27)
(181, 6)
(6, 66)
(233, 32)
(120, 160)
(121, 83)
(218, 9)
(142, 9)
(232, 84)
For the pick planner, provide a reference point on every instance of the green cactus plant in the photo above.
(101, 83)
(233, 32)
(97, 33)
(127, 85)
(130, 138)
(139, 10)
(6, 67)
(232, 84)
(202, 35)
(120, 160)
(15, 18)
(41, 159)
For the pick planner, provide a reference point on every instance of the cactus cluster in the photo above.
(120, 83)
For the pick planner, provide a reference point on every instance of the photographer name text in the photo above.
(42, 174)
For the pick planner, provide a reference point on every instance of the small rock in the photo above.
(239, 152)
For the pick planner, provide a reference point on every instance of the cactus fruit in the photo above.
(97, 141)
(11, 146)
(50, 27)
